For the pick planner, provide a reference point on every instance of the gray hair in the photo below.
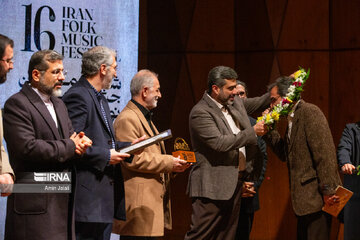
(143, 78)
(283, 83)
(94, 58)
(238, 82)
(40, 59)
(217, 76)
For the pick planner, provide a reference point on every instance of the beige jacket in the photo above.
(4, 161)
(146, 179)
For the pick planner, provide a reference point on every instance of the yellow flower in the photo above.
(259, 119)
(275, 116)
(268, 117)
(289, 100)
(297, 74)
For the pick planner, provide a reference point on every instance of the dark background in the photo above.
(182, 40)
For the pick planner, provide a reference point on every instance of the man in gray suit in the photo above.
(225, 144)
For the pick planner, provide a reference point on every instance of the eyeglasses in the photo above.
(57, 72)
(9, 61)
(241, 93)
(114, 67)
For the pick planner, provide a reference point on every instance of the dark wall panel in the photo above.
(252, 31)
(306, 25)
(344, 103)
(212, 27)
(345, 21)
(262, 39)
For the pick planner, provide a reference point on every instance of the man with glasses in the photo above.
(6, 64)
(309, 150)
(99, 173)
(241, 89)
(40, 138)
(249, 195)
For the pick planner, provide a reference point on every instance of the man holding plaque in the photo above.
(147, 177)
(224, 143)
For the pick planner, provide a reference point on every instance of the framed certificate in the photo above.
(147, 142)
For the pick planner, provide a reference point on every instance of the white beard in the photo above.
(57, 92)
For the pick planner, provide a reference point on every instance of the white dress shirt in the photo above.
(235, 128)
(49, 105)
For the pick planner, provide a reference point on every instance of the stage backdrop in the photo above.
(71, 27)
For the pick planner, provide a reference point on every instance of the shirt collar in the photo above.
(44, 97)
(98, 94)
(216, 102)
(146, 112)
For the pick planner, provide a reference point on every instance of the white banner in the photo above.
(71, 27)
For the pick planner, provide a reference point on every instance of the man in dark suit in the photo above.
(348, 154)
(309, 151)
(40, 138)
(6, 64)
(97, 175)
(250, 192)
(223, 141)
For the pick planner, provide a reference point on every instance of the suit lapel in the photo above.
(162, 145)
(97, 104)
(36, 101)
(236, 114)
(295, 126)
(145, 123)
(216, 110)
(141, 116)
(60, 113)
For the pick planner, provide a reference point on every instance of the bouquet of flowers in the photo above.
(287, 103)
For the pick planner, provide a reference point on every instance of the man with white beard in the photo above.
(147, 176)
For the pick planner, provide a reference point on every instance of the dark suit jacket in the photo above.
(349, 152)
(349, 147)
(310, 156)
(215, 174)
(35, 145)
(94, 198)
(251, 204)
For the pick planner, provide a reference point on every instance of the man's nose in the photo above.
(61, 76)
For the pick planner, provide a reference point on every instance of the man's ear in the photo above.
(103, 69)
(215, 89)
(36, 75)
(145, 92)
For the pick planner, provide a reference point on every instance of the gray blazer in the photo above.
(215, 174)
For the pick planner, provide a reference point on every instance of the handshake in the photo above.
(81, 141)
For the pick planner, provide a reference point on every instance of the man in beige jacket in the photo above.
(6, 64)
(147, 176)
